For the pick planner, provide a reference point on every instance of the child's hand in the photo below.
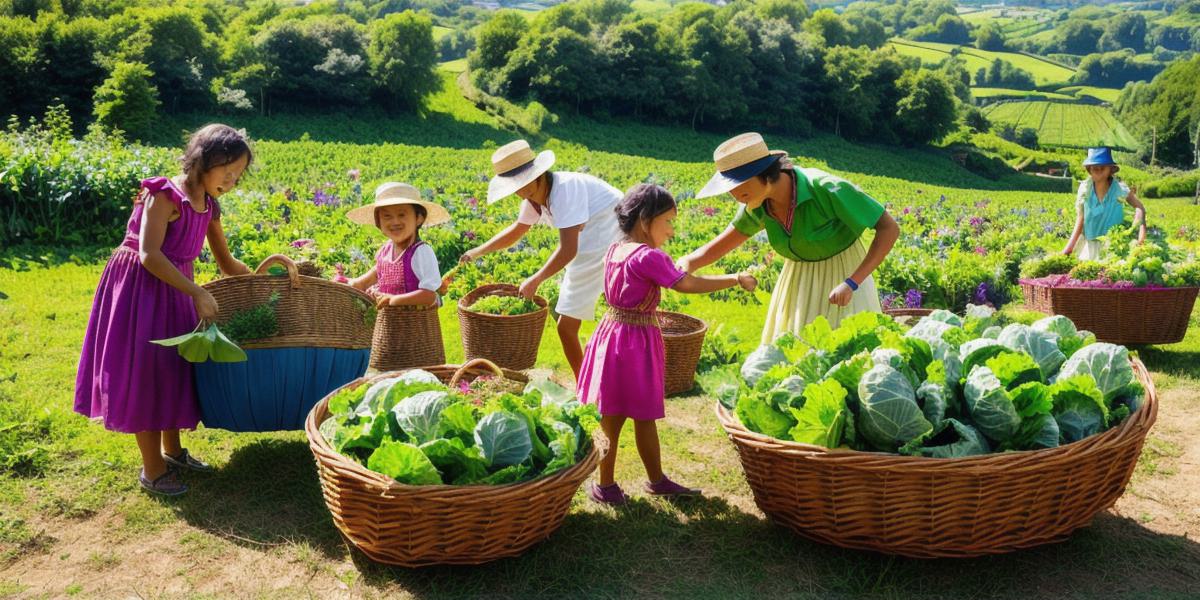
(239, 268)
(382, 300)
(206, 305)
(684, 264)
(747, 281)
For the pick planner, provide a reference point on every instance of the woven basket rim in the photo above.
(388, 485)
(302, 281)
(490, 290)
(702, 328)
(1143, 418)
(1184, 288)
(908, 312)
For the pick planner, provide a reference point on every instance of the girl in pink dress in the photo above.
(146, 293)
(623, 366)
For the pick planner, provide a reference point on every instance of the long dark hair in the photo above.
(214, 145)
(642, 201)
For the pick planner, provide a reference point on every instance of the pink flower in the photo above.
(353, 174)
(302, 243)
(980, 250)
(709, 211)
(340, 277)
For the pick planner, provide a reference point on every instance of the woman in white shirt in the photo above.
(581, 207)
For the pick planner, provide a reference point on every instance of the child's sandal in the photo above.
(611, 494)
(185, 460)
(167, 484)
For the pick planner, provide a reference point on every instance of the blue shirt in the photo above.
(1101, 214)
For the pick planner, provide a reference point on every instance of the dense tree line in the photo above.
(1165, 113)
(122, 60)
(769, 64)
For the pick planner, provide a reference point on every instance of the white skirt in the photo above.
(582, 284)
(1089, 250)
(802, 293)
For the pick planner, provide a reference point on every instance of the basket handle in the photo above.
(289, 264)
(471, 364)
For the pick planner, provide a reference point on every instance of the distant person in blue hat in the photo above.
(1098, 205)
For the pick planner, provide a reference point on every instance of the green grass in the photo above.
(453, 66)
(1102, 94)
(1005, 93)
(1064, 125)
(440, 32)
(1045, 72)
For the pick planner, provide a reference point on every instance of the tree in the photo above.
(928, 110)
(949, 29)
(72, 49)
(562, 66)
(20, 67)
(641, 66)
(1077, 36)
(127, 100)
(868, 31)
(792, 11)
(317, 61)
(830, 27)
(1168, 106)
(402, 58)
(1114, 69)
(990, 37)
(176, 46)
(497, 39)
(1125, 30)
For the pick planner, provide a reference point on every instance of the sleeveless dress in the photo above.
(624, 363)
(396, 275)
(123, 379)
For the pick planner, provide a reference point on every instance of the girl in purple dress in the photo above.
(623, 365)
(406, 269)
(146, 293)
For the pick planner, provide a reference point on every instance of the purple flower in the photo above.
(889, 301)
(908, 209)
(912, 298)
(353, 174)
(977, 223)
(302, 243)
(709, 211)
(1048, 227)
(980, 250)
(981, 293)
(470, 235)
(473, 203)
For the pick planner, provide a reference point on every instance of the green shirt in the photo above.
(830, 215)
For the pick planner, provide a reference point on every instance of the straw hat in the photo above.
(516, 166)
(393, 194)
(739, 158)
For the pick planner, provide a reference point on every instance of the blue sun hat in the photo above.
(739, 158)
(1100, 157)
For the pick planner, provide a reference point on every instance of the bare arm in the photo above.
(419, 298)
(155, 216)
(504, 239)
(712, 252)
(220, 250)
(568, 247)
(1139, 214)
(887, 231)
(366, 280)
(1075, 233)
(704, 284)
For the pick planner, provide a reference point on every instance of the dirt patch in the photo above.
(1164, 494)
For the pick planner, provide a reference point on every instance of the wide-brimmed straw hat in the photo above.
(392, 194)
(739, 158)
(1101, 157)
(515, 166)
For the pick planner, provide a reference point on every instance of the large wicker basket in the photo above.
(323, 341)
(683, 339)
(407, 337)
(913, 313)
(509, 341)
(1120, 316)
(414, 526)
(933, 508)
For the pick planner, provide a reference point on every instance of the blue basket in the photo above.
(274, 389)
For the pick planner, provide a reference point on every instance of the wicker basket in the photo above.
(914, 313)
(1120, 316)
(407, 337)
(509, 341)
(683, 338)
(933, 508)
(414, 526)
(324, 341)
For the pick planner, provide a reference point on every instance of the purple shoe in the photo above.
(167, 484)
(611, 495)
(666, 487)
(185, 460)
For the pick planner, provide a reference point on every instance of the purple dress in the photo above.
(624, 361)
(125, 380)
(396, 275)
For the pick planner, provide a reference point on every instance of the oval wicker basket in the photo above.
(933, 508)
(324, 341)
(420, 525)
(509, 341)
(407, 337)
(1119, 316)
(683, 339)
(915, 313)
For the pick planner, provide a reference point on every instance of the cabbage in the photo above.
(889, 416)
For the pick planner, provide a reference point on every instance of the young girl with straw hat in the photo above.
(814, 220)
(406, 269)
(580, 206)
(1098, 205)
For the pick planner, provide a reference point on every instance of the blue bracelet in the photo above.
(853, 286)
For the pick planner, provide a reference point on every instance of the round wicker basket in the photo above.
(509, 341)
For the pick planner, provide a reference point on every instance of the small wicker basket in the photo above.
(510, 341)
(407, 337)
(683, 339)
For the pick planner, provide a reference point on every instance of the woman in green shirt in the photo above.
(813, 219)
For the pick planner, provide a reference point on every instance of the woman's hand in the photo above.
(1068, 251)
(747, 281)
(468, 257)
(529, 288)
(685, 264)
(206, 305)
(841, 294)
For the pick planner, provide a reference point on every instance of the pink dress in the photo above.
(123, 379)
(624, 361)
(396, 275)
